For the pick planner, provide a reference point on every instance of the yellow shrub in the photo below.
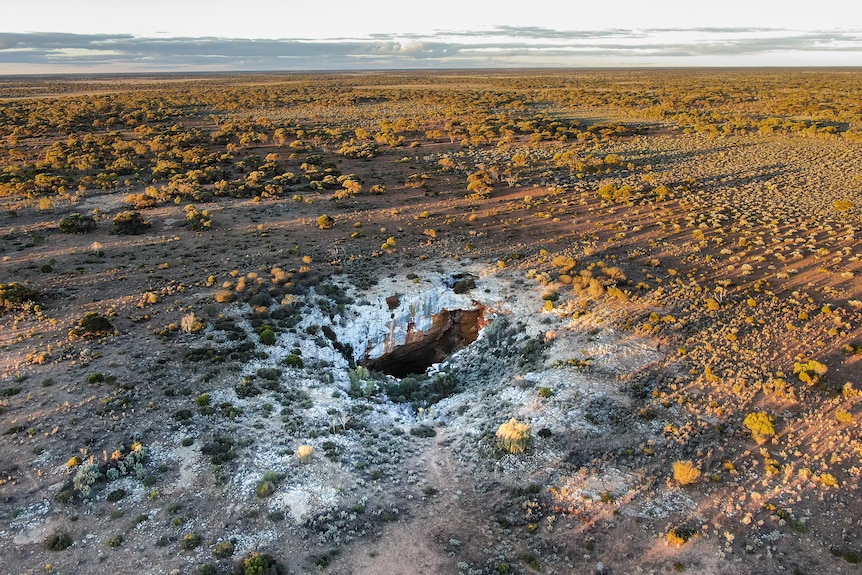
(761, 425)
(304, 453)
(224, 296)
(685, 472)
(828, 480)
(513, 436)
(810, 372)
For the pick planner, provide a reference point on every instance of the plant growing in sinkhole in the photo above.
(15, 296)
(58, 541)
(513, 436)
(680, 535)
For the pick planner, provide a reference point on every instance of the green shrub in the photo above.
(116, 495)
(224, 549)
(16, 296)
(58, 541)
(190, 541)
(198, 220)
(92, 325)
(130, 224)
(266, 334)
(75, 223)
(259, 564)
(264, 488)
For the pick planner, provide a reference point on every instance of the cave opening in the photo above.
(450, 331)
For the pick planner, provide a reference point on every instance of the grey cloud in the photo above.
(506, 45)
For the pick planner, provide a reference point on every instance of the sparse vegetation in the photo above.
(652, 279)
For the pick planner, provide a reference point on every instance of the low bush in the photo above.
(685, 472)
(16, 296)
(761, 425)
(92, 325)
(76, 223)
(130, 224)
(513, 436)
(58, 541)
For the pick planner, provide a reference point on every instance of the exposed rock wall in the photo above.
(420, 324)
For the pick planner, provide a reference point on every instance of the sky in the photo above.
(104, 36)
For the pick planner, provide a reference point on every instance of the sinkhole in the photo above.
(450, 330)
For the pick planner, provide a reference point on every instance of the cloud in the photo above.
(499, 46)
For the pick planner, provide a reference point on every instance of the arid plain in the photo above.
(638, 295)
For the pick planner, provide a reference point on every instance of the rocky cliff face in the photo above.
(449, 331)
(405, 332)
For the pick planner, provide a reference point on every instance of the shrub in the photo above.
(224, 296)
(58, 541)
(810, 372)
(264, 488)
(191, 324)
(266, 334)
(76, 224)
(761, 425)
(190, 541)
(15, 296)
(685, 472)
(92, 325)
(680, 535)
(258, 564)
(304, 453)
(116, 495)
(513, 436)
(224, 549)
(828, 480)
(197, 220)
(130, 224)
(325, 222)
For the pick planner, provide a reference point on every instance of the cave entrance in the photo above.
(450, 331)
